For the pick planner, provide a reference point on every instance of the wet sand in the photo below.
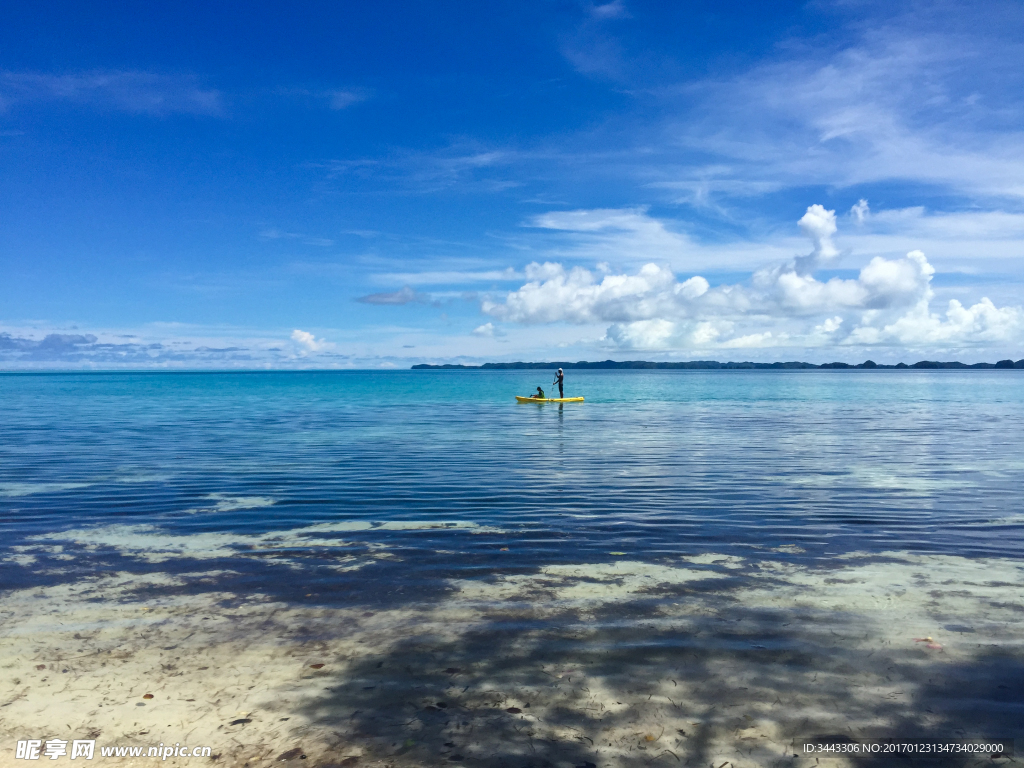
(709, 660)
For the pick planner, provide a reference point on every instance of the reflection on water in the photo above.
(653, 464)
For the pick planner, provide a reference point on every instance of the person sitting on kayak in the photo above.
(539, 395)
(558, 380)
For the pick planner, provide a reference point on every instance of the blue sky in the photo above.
(329, 185)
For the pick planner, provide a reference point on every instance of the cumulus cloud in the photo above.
(982, 322)
(819, 225)
(307, 342)
(782, 305)
(830, 325)
(556, 294)
(860, 211)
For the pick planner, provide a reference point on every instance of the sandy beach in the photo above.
(707, 660)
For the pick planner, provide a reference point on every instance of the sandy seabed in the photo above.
(707, 660)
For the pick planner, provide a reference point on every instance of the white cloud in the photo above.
(157, 346)
(613, 10)
(123, 90)
(556, 294)
(276, 234)
(830, 325)
(307, 342)
(888, 107)
(333, 98)
(344, 98)
(273, 233)
(613, 234)
(754, 341)
(642, 334)
(628, 219)
(405, 295)
(860, 211)
(439, 277)
(978, 324)
(819, 225)
(968, 240)
(467, 167)
(782, 305)
(956, 241)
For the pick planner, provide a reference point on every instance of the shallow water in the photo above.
(108, 467)
(696, 567)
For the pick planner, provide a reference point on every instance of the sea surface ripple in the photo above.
(443, 469)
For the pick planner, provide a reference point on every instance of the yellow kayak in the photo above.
(549, 399)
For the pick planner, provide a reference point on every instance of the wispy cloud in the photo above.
(73, 348)
(938, 109)
(166, 346)
(273, 233)
(332, 98)
(342, 99)
(130, 91)
(972, 240)
(930, 94)
(277, 234)
(612, 10)
(591, 47)
(405, 295)
(611, 234)
(459, 167)
(897, 105)
(450, 276)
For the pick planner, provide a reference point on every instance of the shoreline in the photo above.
(643, 365)
(714, 365)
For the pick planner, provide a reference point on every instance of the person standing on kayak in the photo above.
(558, 380)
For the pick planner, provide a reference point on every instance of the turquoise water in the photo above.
(819, 463)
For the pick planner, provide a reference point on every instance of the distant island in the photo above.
(708, 365)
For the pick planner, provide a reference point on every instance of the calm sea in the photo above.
(443, 470)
